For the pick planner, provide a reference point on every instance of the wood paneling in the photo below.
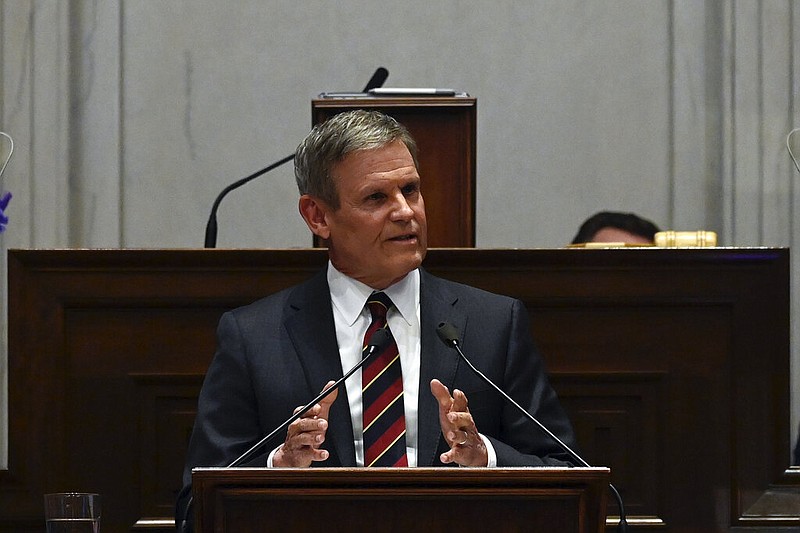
(673, 365)
(567, 500)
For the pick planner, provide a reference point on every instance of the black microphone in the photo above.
(379, 340)
(377, 79)
(449, 335)
(211, 225)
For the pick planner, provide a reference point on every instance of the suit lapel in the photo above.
(437, 304)
(311, 329)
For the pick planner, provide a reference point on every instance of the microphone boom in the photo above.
(210, 241)
(380, 339)
(449, 334)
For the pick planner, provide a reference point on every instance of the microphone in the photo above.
(11, 141)
(6, 197)
(211, 225)
(449, 335)
(789, 143)
(377, 79)
(379, 340)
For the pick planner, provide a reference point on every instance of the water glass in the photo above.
(72, 512)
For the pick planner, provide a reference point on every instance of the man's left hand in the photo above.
(466, 445)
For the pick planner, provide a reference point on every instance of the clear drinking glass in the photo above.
(72, 512)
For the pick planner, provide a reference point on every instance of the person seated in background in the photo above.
(613, 226)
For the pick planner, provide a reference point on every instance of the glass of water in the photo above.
(72, 512)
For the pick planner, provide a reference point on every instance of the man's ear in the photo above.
(314, 212)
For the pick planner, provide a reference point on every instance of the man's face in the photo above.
(379, 232)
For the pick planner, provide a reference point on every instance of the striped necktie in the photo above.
(382, 395)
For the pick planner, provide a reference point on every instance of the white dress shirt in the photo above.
(352, 318)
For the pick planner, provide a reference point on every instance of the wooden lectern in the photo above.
(400, 500)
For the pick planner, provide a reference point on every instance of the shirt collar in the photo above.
(349, 295)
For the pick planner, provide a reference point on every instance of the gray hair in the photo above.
(331, 141)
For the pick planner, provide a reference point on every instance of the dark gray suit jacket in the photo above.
(279, 352)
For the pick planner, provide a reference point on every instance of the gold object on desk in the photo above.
(680, 239)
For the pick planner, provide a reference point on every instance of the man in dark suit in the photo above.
(360, 192)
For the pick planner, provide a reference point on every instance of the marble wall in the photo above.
(131, 115)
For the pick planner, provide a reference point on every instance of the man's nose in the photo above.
(402, 210)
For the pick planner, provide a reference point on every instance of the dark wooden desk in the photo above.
(673, 364)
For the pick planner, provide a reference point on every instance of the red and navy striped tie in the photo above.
(382, 395)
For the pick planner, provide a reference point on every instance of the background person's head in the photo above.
(613, 226)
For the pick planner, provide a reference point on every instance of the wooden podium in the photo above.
(400, 499)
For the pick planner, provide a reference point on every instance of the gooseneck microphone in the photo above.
(377, 80)
(378, 342)
(449, 335)
(11, 141)
(789, 147)
(211, 225)
(6, 197)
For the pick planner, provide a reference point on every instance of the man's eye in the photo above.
(411, 188)
(375, 196)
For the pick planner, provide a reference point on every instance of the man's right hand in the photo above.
(305, 436)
